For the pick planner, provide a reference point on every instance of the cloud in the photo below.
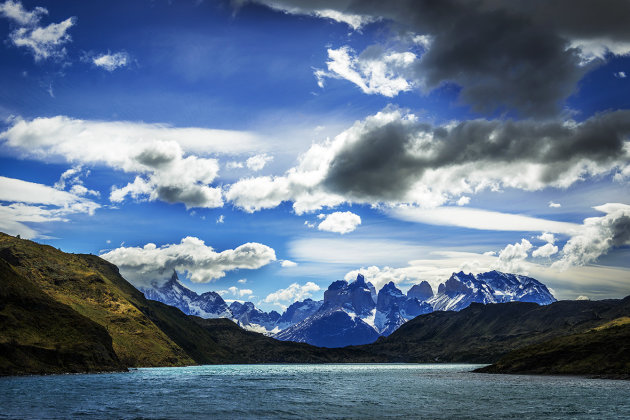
(293, 293)
(242, 281)
(43, 41)
(523, 55)
(547, 237)
(512, 256)
(220, 219)
(481, 219)
(111, 62)
(257, 162)
(595, 281)
(373, 71)
(15, 11)
(29, 202)
(235, 291)
(72, 178)
(143, 265)
(545, 251)
(463, 200)
(288, 264)
(339, 222)
(162, 157)
(554, 205)
(597, 237)
(620, 75)
(393, 157)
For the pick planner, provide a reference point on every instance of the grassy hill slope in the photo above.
(485, 333)
(40, 335)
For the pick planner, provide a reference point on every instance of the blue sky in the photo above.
(295, 143)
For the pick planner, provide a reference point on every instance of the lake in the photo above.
(312, 391)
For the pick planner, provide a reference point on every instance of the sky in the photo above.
(265, 148)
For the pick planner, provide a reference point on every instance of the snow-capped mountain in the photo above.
(174, 293)
(460, 290)
(350, 315)
(211, 305)
(298, 312)
(353, 313)
(247, 315)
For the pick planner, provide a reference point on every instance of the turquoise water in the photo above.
(312, 391)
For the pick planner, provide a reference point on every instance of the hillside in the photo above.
(604, 350)
(87, 293)
(40, 335)
(485, 333)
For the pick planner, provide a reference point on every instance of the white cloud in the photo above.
(582, 297)
(242, 281)
(374, 70)
(257, 162)
(512, 256)
(339, 222)
(44, 42)
(111, 62)
(547, 237)
(72, 178)
(162, 157)
(554, 205)
(293, 293)
(14, 10)
(597, 236)
(288, 264)
(30, 202)
(545, 251)
(347, 251)
(481, 219)
(142, 265)
(234, 165)
(235, 291)
(620, 75)
(221, 219)
(463, 200)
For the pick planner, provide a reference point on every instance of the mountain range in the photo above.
(355, 313)
(63, 313)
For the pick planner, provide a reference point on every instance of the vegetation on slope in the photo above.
(40, 335)
(604, 350)
(485, 333)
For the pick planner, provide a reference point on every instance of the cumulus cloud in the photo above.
(620, 75)
(291, 294)
(202, 264)
(288, 263)
(235, 291)
(375, 70)
(111, 62)
(554, 205)
(524, 55)
(545, 251)
(164, 159)
(43, 41)
(15, 11)
(339, 222)
(29, 202)
(393, 157)
(512, 256)
(257, 162)
(598, 236)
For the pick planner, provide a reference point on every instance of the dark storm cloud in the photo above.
(513, 54)
(387, 159)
